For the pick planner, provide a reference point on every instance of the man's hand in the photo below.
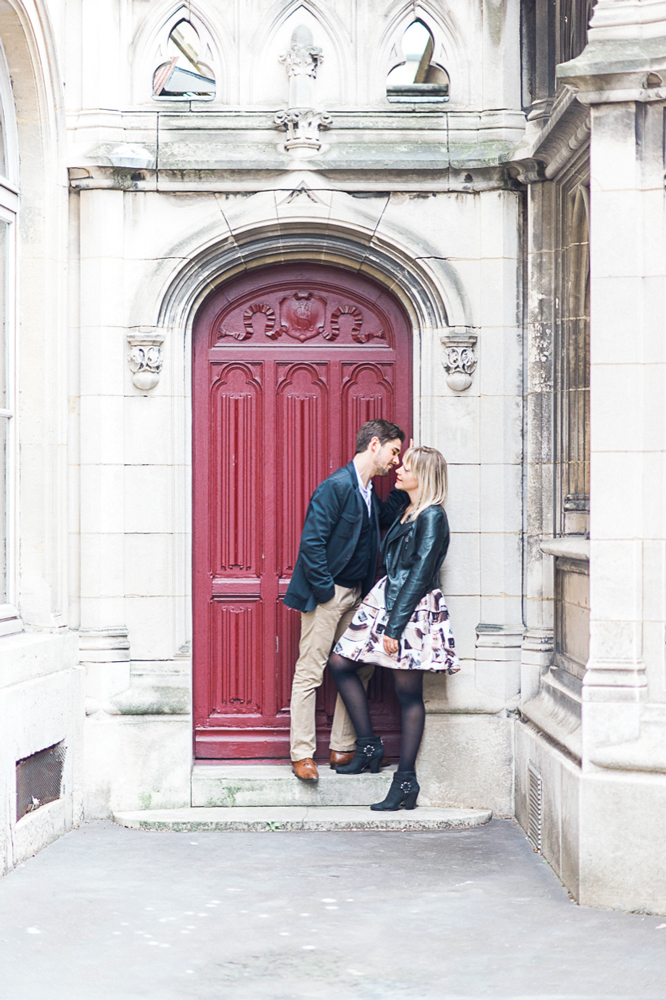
(390, 645)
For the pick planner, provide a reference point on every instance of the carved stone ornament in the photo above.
(459, 357)
(145, 356)
(302, 60)
(302, 127)
(300, 121)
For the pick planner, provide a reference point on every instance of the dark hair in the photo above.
(382, 429)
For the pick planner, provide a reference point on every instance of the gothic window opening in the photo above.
(417, 78)
(572, 417)
(187, 74)
(573, 365)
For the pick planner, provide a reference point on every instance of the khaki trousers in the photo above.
(320, 630)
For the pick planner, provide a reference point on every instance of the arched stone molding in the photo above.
(336, 75)
(428, 286)
(38, 151)
(451, 50)
(148, 50)
(9, 123)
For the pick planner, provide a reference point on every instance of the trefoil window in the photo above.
(187, 74)
(417, 78)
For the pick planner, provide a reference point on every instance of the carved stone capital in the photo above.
(145, 356)
(302, 126)
(303, 57)
(459, 356)
(302, 60)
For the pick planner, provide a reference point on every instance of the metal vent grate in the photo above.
(39, 779)
(535, 811)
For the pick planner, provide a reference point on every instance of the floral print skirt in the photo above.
(427, 642)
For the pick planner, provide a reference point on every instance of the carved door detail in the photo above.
(288, 363)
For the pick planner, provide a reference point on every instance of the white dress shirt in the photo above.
(366, 491)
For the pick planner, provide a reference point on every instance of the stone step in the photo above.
(275, 785)
(289, 818)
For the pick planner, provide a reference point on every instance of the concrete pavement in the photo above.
(108, 913)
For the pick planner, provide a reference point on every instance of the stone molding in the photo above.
(10, 620)
(625, 58)
(104, 645)
(568, 547)
(460, 358)
(432, 294)
(145, 357)
(542, 156)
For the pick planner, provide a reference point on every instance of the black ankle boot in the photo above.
(403, 792)
(369, 753)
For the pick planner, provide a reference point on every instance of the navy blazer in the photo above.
(330, 533)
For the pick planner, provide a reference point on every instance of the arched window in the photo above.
(417, 78)
(187, 74)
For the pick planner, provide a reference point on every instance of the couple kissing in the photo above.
(353, 624)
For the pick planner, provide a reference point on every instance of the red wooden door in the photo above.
(288, 363)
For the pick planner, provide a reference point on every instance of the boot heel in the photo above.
(369, 753)
(404, 791)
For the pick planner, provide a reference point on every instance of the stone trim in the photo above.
(570, 547)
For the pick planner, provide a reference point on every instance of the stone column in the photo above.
(621, 75)
(537, 649)
(628, 383)
(104, 643)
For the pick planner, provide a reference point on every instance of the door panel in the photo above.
(288, 363)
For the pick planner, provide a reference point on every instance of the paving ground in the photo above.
(108, 913)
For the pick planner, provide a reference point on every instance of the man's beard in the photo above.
(383, 470)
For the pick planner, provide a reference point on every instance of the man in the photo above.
(335, 569)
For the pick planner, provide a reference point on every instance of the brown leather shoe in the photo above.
(305, 769)
(340, 757)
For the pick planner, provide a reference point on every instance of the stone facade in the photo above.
(510, 195)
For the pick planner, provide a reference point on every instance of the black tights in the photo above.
(409, 689)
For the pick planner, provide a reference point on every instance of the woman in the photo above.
(402, 624)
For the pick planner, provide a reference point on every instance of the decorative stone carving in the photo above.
(302, 60)
(303, 315)
(459, 357)
(145, 356)
(302, 128)
(300, 121)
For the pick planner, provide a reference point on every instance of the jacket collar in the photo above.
(397, 530)
(351, 469)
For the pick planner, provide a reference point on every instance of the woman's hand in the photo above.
(390, 645)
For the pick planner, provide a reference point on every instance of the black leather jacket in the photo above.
(412, 556)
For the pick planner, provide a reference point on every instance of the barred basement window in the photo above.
(187, 75)
(39, 779)
(417, 78)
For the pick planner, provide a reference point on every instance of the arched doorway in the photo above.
(288, 362)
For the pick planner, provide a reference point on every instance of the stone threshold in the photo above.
(243, 785)
(292, 818)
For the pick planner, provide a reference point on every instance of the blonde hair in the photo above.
(429, 467)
